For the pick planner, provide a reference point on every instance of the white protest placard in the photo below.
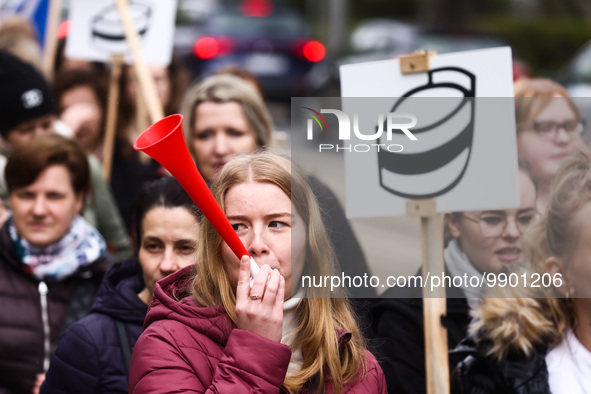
(461, 114)
(97, 32)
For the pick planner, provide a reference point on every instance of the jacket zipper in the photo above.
(43, 290)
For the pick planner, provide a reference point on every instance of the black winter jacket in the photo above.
(88, 358)
(398, 335)
(481, 374)
(33, 313)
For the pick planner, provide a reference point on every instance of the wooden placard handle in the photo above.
(50, 44)
(434, 300)
(146, 82)
(112, 112)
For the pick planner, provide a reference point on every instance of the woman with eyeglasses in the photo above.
(483, 242)
(549, 126)
(491, 240)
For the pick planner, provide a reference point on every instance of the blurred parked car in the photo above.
(191, 16)
(575, 75)
(383, 39)
(270, 40)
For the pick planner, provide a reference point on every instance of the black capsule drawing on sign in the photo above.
(107, 30)
(399, 166)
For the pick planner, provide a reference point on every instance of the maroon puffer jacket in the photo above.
(190, 349)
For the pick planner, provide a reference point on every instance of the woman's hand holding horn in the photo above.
(260, 309)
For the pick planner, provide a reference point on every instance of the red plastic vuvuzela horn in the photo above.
(165, 142)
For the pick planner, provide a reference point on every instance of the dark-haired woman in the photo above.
(93, 355)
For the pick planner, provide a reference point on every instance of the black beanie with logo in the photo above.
(24, 93)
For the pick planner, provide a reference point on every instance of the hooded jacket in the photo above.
(507, 352)
(191, 349)
(34, 312)
(88, 358)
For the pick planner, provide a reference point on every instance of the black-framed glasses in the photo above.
(548, 129)
(493, 225)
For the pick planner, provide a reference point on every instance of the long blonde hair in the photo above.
(556, 233)
(319, 316)
(540, 316)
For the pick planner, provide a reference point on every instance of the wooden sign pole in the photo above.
(146, 82)
(112, 109)
(142, 121)
(434, 306)
(434, 300)
(142, 118)
(50, 44)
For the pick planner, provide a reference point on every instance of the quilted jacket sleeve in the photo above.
(74, 366)
(166, 360)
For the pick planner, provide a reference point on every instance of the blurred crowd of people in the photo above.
(123, 285)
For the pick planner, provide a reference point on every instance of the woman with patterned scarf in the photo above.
(51, 260)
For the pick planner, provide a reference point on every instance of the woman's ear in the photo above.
(451, 220)
(79, 203)
(555, 266)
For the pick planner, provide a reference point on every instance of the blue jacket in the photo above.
(88, 358)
